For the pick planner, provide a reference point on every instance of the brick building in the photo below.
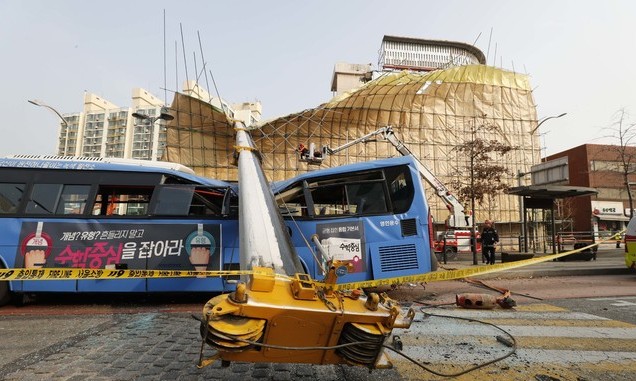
(601, 167)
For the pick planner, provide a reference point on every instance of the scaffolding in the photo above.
(431, 112)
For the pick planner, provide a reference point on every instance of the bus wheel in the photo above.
(451, 253)
(5, 295)
(434, 261)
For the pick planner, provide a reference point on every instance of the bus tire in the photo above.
(451, 253)
(5, 294)
(434, 261)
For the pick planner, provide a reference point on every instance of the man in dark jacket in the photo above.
(489, 239)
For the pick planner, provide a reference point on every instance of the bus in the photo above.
(93, 213)
(371, 216)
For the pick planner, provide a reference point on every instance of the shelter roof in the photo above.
(551, 191)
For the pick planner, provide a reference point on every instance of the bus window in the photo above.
(401, 191)
(184, 200)
(44, 198)
(122, 201)
(368, 198)
(209, 202)
(331, 201)
(10, 197)
(172, 200)
(57, 199)
(360, 194)
(73, 199)
(292, 202)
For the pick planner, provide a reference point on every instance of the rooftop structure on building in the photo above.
(406, 53)
(416, 54)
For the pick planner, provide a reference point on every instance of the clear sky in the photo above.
(580, 55)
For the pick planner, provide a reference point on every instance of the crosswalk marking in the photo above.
(443, 327)
(568, 344)
(514, 314)
(612, 298)
(541, 307)
(575, 343)
(563, 323)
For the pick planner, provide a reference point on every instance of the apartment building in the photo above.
(104, 129)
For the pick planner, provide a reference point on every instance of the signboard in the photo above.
(600, 208)
(344, 241)
(94, 245)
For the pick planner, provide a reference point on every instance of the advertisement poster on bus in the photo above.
(126, 246)
(344, 242)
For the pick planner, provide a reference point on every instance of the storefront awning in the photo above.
(611, 217)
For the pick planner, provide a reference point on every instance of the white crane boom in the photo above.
(457, 219)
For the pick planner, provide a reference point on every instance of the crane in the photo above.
(457, 219)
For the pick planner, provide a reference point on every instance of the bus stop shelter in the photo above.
(542, 197)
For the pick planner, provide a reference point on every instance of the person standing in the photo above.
(489, 238)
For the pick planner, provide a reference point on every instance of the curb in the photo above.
(510, 274)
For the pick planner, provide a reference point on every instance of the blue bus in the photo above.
(371, 216)
(91, 213)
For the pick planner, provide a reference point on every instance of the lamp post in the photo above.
(520, 175)
(473, 230)
(66, 126)
(42, 104)
(523, 242)
(164, 115)
(543, 120)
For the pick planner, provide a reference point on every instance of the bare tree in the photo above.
(485, 173)
(624, 133)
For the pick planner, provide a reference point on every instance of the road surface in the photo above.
(566, 328)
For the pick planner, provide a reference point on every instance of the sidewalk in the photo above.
(608, 261)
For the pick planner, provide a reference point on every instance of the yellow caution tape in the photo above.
(83, 274)
(458, 274)
(75, 274)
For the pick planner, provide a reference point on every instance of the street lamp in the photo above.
(520, 175)
(522, 214)
(164, 115)
(42, 104)
(546, 119)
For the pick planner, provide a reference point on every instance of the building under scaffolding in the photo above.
(431, 112)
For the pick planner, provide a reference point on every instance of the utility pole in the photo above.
(473, 233)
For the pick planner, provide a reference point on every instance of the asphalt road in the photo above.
(566, 328)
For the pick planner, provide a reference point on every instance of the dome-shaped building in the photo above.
(431, 112)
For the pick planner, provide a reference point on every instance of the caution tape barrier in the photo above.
(454, 274)
(85, 274)
(51, 273)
